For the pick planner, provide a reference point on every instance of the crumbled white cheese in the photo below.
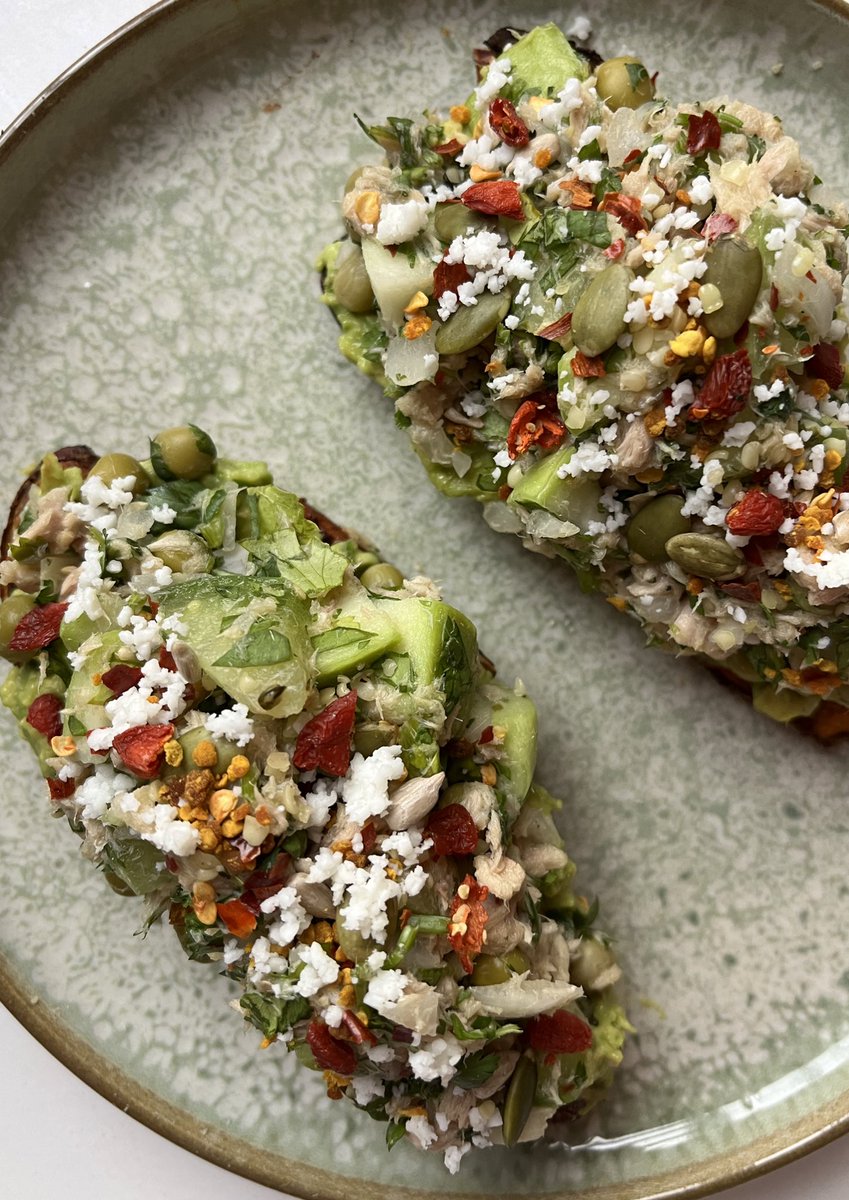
(234, 724)
(365, 789)
(319, 969)
(400, 222)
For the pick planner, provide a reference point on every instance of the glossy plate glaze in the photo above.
(160, 212)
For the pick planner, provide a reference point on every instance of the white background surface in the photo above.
(57, 1137)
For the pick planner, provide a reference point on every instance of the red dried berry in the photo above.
(452, 831)
(359, 1032)
(825, 364)
(141, 749)
(703, 133)
(615, 250)
(166, 660)
(536, 422)
(324, 743)
(755, 513)
(45, 715)
(238, 918)
(61, 789)
(468, 921)
(448, 276)
(495, 198)
(587, 368)
(748, 592)
(449, 149)
(38, 628)
(559, 1033)
(121, 678)
(328, 1051)
(507, 123)
(726, 388)
(557, 329)
(628, 211)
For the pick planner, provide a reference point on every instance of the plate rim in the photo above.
(822, 1125)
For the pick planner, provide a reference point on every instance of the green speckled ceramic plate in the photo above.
(160, 212)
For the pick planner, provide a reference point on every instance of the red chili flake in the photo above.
(44, 714)
(726, 388)
(468, 921)
(140, 749)
(38, 628)
(587, 368)
(703, 133)
(750, 591)
(811, 276)
(717, 224)
(487, 736)
(324, 743)
(238, 918)
(755, 513)
(773, 297)
(626, 209)
(559, 1033)
(328, 1051)
(359, 1032)
(581, 196)
(495, 198)
(449, 149)
(557, 329)
(633, 156)
(507, 123)
(452, 831)
(825, 364)
(61, 789)
(121, 678)
(615, 250)
(368, 833)
(448, 276)
(535, 423)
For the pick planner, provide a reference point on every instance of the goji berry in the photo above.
(756, 512)
(468, 921)
(750, 591)
(328, 1051)
(259, 885)
(703, 133)
(557, 329)
(495, 198)
(825, 364)
(507, 123)
(587, 368)
(452, 831)
(45, 715)
(324, 743)
(166, 660)
(38, 628)
(726, 388)
(448, 276)
(449, 149)
(627, 210)
(535, 423)
(61, 789)
(121, 678)
(559, 1033)
(238, 918)
(359, 1032)
(140, 749)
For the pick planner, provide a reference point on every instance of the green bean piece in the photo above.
(624, 83)
(382, 577)
(184, 452)
(117, 466)
(418, 923)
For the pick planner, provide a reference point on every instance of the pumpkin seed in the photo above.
(651, 528)
(454, 220)
(785, 705)
(356, 947)
(351, 284)
(519, 1100)
(706, 555)
(470, 324)
(735, 269)
(599, 316)
(489, 969)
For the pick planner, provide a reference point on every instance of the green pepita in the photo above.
(519, 1100)
(624, 83)
(706, 555)
(489, 970)
(651, 528)
(351, 284)
(599, 316)
(735, 269)
(469, 325)
(454, 220)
